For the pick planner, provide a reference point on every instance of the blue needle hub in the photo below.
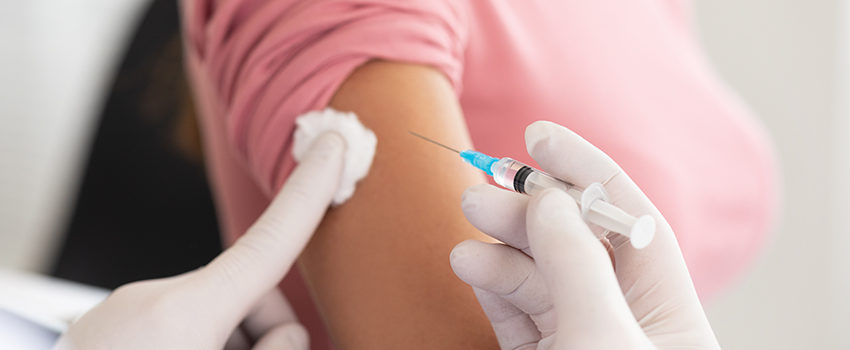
(479, 160)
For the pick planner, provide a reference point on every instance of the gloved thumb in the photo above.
(578, 271)
(655, 279)
(260, 258)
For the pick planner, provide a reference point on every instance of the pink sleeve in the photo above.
(271, 61)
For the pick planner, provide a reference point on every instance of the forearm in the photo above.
(378, 265)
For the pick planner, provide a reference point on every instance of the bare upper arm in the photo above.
(379, 264)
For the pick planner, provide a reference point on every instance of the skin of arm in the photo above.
(378, 266)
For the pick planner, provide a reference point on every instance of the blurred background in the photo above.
(66, 123)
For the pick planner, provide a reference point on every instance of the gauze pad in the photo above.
(359, 151)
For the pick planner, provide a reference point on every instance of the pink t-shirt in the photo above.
(626, 75)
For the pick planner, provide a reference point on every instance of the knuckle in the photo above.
(164, 304)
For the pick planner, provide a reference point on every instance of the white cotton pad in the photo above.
(360, 144)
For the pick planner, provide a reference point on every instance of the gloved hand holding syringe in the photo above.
(593, 200)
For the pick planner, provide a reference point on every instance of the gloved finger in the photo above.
(513, 328)
(567, 156)
(259, 259)
(498, 213)
(271, 311)
(577, 269)
(238, 340)
(508, 273)
(660, 267)
(289, 336)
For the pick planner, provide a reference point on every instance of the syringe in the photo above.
(593, 200)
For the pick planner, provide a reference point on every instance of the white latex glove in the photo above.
(202, 309)
(552, 284)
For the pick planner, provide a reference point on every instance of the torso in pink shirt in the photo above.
(627, 76)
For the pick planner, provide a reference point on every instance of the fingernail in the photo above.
(535, 133)
(459, 253)
(330, 142)
(469, 199)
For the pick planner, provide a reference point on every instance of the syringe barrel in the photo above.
(515, 175)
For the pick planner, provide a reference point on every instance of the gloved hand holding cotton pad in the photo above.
(359, 150)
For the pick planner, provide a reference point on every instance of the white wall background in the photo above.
(57, 57)
(787, 58)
